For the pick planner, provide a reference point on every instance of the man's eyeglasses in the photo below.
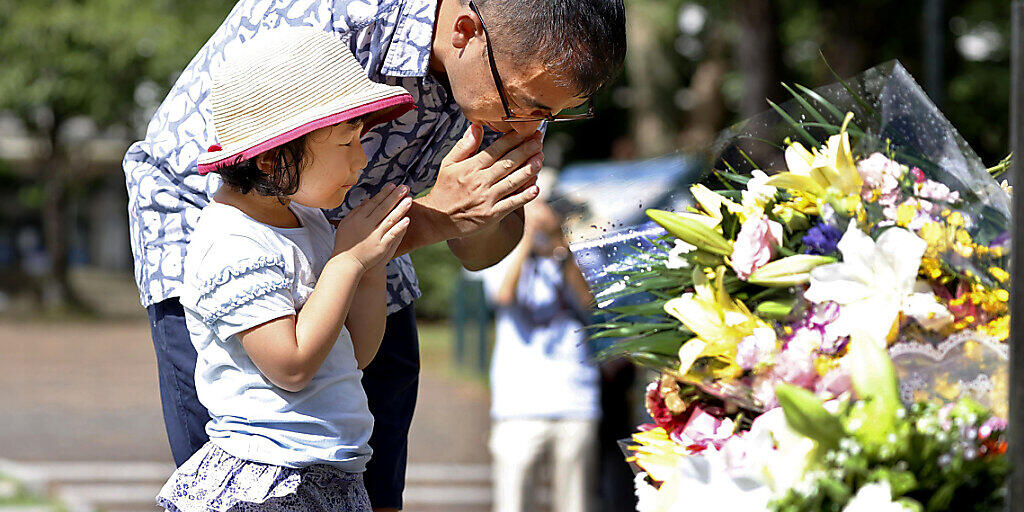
(586, 110)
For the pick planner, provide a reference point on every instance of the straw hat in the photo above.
(285, 83)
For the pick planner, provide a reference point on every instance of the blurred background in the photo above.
(80, 79)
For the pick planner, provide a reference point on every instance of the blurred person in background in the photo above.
(544, 392)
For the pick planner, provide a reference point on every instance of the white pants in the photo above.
(517, 445)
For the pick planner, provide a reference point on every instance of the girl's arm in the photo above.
(290, 350)
(367, 316)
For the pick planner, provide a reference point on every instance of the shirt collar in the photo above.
(408, 51)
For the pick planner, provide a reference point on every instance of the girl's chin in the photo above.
(325, 203)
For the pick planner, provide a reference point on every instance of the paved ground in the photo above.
(87, 392)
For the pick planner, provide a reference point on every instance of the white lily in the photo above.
(777, 454)
(757, 194)
(875, 282)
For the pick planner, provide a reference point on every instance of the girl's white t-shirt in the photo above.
(240, 273)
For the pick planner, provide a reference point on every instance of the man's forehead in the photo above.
(538, 88)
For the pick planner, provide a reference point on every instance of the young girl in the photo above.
(284, 310)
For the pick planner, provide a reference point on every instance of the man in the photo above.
(545, 56)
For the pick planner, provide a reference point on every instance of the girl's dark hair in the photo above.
(280, 181)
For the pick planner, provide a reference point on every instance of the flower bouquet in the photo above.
(848, 224)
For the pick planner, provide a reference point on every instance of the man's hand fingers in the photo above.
(529, 153)
(517, 180)
(515, 201)
(466, 147)
(501, 147)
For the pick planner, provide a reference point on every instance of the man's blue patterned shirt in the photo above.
(390, 38)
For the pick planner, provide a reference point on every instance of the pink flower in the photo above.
(935, 191)
(834, 383)
(795, 365)
(703, 429)
(764, 391)
(993, 425)
(756, 348)
(755, 245)
(880, 173)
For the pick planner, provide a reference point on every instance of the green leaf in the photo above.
(942, 498)
(874, 379)
(807, 106)
(807, 416)
(836, 490)
(825, 103)
(656, 361)
(775, 309)
(629, 331)
(650, 308)
(796, 126)
(867, 108)
(664, 343)
(901, 482)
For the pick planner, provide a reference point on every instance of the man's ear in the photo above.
(465, 28)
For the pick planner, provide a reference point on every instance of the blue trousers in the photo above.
(391, 382)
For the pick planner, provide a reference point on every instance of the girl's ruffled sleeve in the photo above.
(240, 285)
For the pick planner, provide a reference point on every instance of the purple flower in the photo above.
(822, 239)
(1001, 240)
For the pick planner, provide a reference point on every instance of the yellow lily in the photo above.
(711, 202)
(718, 321)
(656, 453)
(659, 455)
(817, 172)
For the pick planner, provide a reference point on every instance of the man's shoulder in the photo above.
(356, 14)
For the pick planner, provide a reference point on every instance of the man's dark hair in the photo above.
(582, 41)
(280, 181)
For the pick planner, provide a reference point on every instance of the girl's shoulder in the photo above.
(225, 229)
(231, 256)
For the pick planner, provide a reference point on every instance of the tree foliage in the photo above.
(68, 59)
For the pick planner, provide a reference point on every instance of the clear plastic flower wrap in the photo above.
(851, 219)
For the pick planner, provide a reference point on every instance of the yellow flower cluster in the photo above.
(949, 235)
(719, 322)
(824, 175)
(998, 328)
